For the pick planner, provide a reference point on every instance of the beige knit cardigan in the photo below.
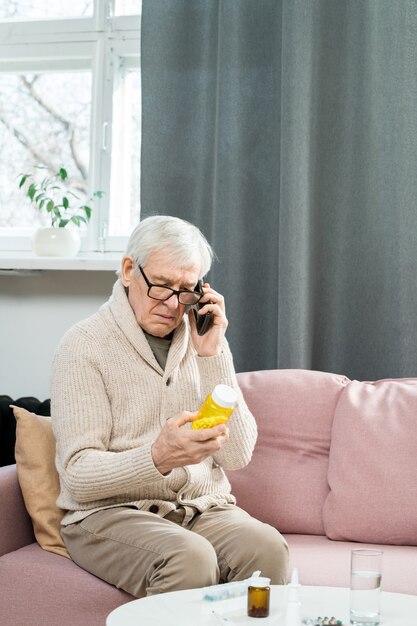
(109, 400)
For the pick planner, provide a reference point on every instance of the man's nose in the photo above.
(172, 302)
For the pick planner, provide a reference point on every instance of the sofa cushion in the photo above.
(373, 464)
(285, 484)
(321, 561)
(42, 589)
(7, 432)
(8, 423)
(38, 477)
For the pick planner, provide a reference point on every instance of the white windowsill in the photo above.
(16, 262)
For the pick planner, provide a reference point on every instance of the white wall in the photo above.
(35, 311)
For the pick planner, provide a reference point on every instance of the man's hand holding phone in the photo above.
(210, 342)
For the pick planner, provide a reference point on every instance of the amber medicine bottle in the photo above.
(216, 408)
(258, 597)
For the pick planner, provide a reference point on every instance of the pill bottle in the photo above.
(216, 408)
(258, 597)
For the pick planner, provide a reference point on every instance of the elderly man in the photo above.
(149, 507)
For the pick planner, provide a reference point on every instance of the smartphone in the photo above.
(203, 322)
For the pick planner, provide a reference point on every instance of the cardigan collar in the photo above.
(125, 318)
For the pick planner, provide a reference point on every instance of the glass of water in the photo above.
(365, 587)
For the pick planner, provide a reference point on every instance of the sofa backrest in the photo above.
(285, 484)
(333, 457)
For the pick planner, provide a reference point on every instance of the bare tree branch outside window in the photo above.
(46, 105)
(44, 120)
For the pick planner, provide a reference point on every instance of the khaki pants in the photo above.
(146, 554)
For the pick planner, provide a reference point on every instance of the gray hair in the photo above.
(183, 242)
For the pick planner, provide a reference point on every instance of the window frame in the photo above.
(102, 44)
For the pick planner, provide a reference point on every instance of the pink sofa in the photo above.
(334, 468)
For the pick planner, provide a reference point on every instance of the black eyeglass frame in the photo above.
(175, 292)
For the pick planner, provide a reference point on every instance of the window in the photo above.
(70, 96)
(41, 9)
(40, 126)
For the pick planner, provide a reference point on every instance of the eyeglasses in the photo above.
(160, 292)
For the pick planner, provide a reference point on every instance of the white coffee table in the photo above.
(186, 608)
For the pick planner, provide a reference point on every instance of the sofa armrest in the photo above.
(16, 528)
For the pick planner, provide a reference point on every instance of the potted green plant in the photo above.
(63, 209)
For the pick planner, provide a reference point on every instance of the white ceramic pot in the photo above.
(56, 242)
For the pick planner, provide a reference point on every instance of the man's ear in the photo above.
(127, 270)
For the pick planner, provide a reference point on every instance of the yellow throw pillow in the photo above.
(38, 477)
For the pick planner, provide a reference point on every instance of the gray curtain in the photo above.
(287, 131)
